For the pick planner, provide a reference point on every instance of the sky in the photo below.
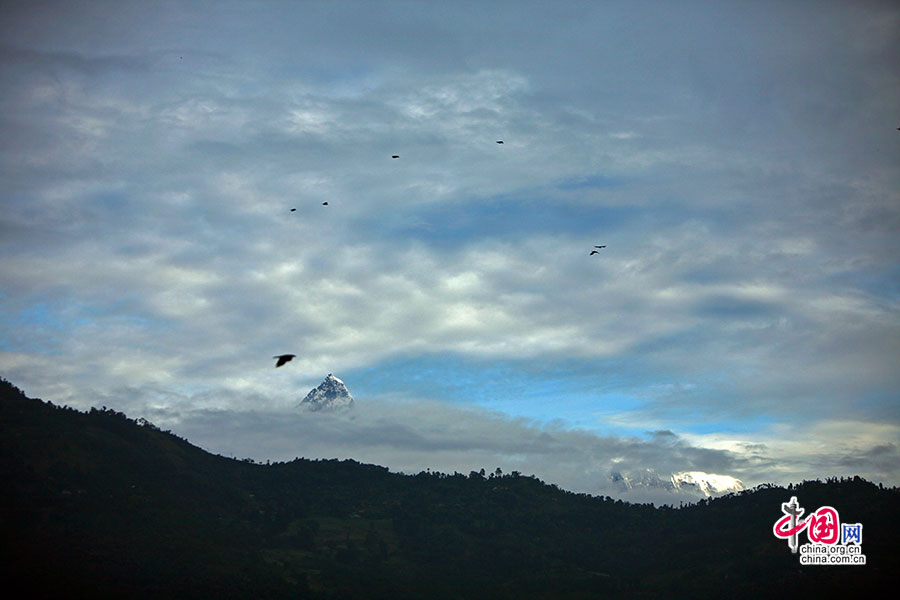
(739, 161)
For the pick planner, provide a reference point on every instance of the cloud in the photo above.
(738, 168)
(412, 436)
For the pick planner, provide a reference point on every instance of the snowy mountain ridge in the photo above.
(709, 484)
(331, 394)
(693, 484)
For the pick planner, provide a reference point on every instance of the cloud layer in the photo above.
(738, 161)
(415, 435)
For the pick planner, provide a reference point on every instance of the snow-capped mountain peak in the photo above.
(691, 485)
(709, 484)
(331, 394)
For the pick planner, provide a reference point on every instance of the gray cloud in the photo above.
(741, 169)
(414, 436)
(411, 436)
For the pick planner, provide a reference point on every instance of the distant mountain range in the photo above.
(329, 395)
(687, 485)
(98, 505)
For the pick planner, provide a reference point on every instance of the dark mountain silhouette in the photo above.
(98, 505)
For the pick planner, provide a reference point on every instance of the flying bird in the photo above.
(395, 156)
(324, 204)
(293, 210)
(499, 141)
(599, 246)
(593, 252)
(283, 358)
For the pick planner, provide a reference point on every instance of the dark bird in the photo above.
(395, 156)
(283, 358)
(499, 141)
(599, 246)
(593, 252)
(324, 204)
(293, 210)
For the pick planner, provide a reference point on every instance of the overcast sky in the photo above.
(739, 161)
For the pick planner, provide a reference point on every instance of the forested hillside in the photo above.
(99, 505)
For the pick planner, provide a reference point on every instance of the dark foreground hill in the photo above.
(98, 505)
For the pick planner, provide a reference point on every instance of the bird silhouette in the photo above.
(283, 358)
(293, 210)
(324, 204)
(499, 141)
(593, 252)
(599, 246)
(395, 156)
